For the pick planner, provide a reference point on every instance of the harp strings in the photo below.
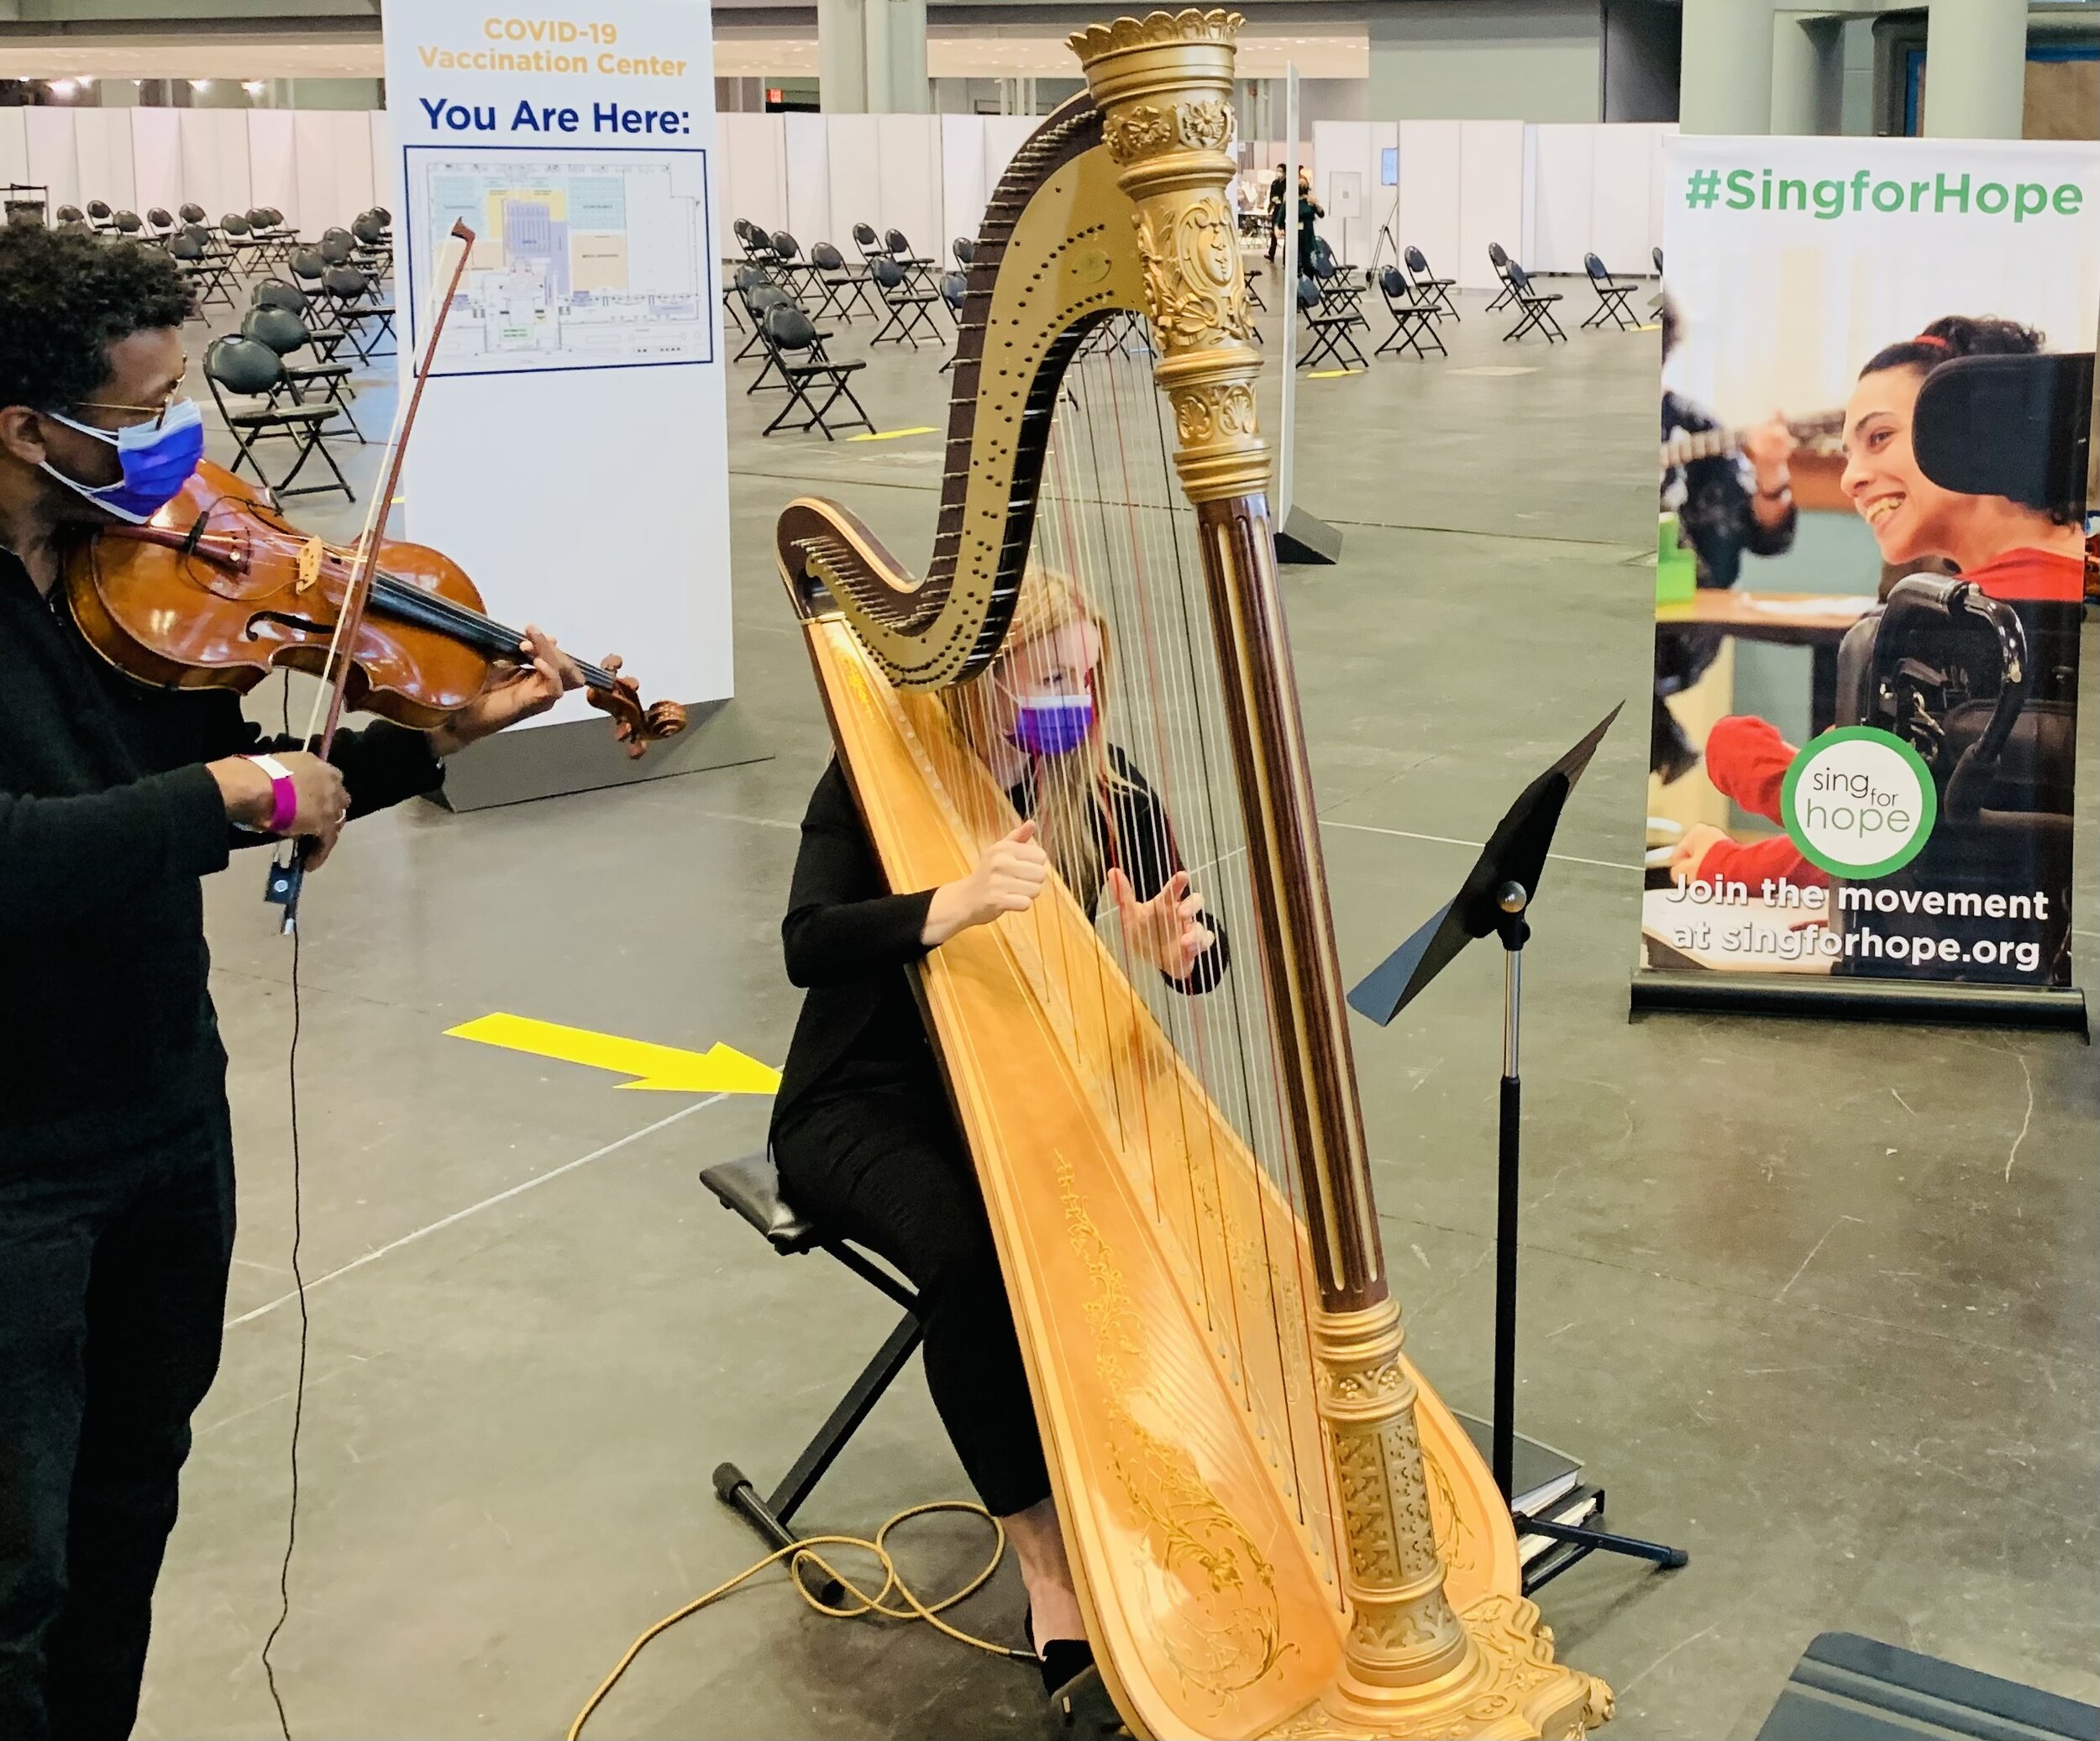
(1111, 521)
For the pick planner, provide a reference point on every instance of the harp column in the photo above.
(1163, 85)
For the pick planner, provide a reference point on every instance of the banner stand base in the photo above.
(1308, 542)
(581, 756)
(1996, 1006)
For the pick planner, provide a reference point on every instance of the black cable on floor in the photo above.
(299, 1387)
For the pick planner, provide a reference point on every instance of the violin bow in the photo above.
(287, 877)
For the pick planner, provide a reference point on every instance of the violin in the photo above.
(218, 590)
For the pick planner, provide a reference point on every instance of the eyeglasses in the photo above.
(156, 413)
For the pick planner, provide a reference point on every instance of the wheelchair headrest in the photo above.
(2018, 427)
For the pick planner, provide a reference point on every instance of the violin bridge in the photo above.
(312, 555)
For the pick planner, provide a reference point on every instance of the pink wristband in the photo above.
(284, 794)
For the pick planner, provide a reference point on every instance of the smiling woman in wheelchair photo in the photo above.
(1978, 669)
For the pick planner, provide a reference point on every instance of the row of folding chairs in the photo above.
(794, 359)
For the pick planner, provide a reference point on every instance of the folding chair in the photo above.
(275, 293)
(908, 307)
(868, 243)
(68, 214)
(750, 1189)
(1429, 285)
(376, 246)
(1330, 329)
(749, 281)
(1413, 320)
(844, 288)
(238, 236)
(964, 250)
(99, 215)
(160, 223)
(338, 247)
(1500, 259)
(1611, 297)
(356, 306)
(1655, 255)
(954, 287)
(287, 334)
(207, 276)
(1254, 292)
(1537, 306)
(789, 266)
(757, 241)
(129, 225)
(790, 334)
(917, 267)
(1341, 295)
(759, 303)
(249, 369)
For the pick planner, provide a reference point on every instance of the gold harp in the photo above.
(1277, 1528)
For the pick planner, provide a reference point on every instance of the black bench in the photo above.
(751, 1186)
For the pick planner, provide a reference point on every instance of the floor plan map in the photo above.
(589, 259)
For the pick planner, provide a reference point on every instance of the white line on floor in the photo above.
(486, 1203)
(1444, 840)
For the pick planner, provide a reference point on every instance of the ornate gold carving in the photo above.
(1194, 287)
(1155, 30)
(1137, 131)
(1523, 1691)
(1204, 126)
(1192, 1535)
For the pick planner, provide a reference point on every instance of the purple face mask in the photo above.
(1052, 724)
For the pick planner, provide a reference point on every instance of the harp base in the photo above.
(1412, 1665)
(1510, 1686)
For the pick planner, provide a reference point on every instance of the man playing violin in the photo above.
(116, 1164)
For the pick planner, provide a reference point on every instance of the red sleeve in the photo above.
(1753, 861)
(1747, 760)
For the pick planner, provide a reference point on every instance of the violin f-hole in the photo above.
(301, 625)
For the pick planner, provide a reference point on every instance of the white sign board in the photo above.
(570, 453)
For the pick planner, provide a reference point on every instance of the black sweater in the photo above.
(108, 821)
(850, 942)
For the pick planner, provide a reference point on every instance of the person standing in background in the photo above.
(1276, 187)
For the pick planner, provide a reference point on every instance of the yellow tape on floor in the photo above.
(720, 1070)
(892, 434)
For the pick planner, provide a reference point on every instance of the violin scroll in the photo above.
(634, 724)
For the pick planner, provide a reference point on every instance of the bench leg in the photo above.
(771, 1516)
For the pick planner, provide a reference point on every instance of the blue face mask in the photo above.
(158, 459)
(1052, 724)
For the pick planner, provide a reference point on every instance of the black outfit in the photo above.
(864, 1135)
(116, 1166)
(1308, 208)
(1275, 216)
(1714, 502)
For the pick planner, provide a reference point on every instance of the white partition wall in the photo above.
(1490, 200)
(910, 195)
(273, 179)
(856, 172)
(215, 160)
(156, 158)
(1596, 188)
(754, 175)
(101, 151)
(1430, 163)
(964, 188)
(807, 158)
(50, 151)
(14, 145)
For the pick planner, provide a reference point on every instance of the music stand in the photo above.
(1496, 896)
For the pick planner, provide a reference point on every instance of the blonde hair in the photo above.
(1072, 791)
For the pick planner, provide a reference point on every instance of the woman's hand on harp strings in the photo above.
(1007, 879)
(542, 675)
(1168, 929)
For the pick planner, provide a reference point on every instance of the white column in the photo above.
(1725, 84)
(1976, 69)
(841, 55)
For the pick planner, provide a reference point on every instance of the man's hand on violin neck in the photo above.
(515, 693)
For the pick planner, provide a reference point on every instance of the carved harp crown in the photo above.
(1275, 1528)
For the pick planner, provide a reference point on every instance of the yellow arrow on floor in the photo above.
(720, 1070)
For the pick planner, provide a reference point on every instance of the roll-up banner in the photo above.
(1872, 553)
(570, 453)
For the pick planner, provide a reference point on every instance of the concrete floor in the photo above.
(1817, 1301)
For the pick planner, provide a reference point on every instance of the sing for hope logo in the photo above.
(1859, 802)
